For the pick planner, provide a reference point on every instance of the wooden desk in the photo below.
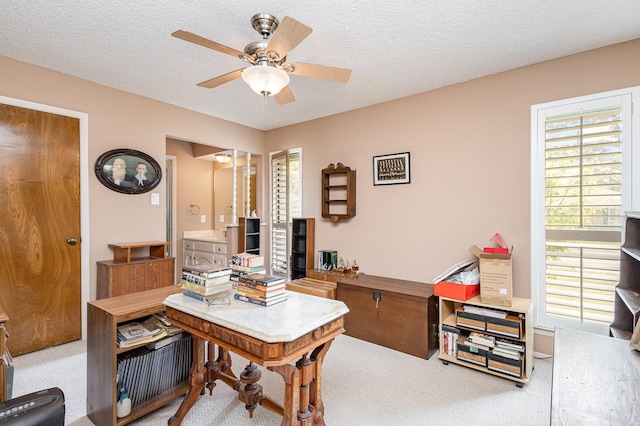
(596, 380)
(302, 328)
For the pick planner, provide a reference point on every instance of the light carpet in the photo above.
(363, 384)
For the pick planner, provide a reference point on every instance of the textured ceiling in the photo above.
(395, 48)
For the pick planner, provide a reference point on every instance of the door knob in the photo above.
(72, 241)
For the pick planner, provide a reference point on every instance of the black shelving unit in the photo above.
(249, 232)
(302, 246)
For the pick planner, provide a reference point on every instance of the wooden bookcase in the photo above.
(103, 317)
(521, 309)
(127, 274)
(627, 294)
(249, 235)
(338, 192)
(303, 234)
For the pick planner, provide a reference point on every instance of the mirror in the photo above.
(246, 189)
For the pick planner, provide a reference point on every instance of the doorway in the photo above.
(43, 286)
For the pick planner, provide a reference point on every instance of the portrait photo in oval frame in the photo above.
(128, 171)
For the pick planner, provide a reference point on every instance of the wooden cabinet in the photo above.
(128, 274)
(338, 192)
(627, 294)
(303, 235)
(103, 317)
(397, 314)
(210, 253)
(517, 327)
(249, 235)
(115, 279)
(4, 356)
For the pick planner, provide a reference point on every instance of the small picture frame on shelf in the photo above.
(128, 171)
(391, 169)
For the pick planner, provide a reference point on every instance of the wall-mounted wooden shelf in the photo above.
(338, 192)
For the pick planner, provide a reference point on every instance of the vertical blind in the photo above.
(583, 213)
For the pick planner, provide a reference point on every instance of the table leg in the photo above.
(303, 404)
(196, 382)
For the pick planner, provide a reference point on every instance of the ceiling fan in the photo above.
(268, 71)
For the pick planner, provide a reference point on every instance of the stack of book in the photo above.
(449, 340)
(243, 264)
(508, 349)
(480, 341)
(261, 289)
(146, 373)
(201, 281)
(136, 333)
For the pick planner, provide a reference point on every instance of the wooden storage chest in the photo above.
(397, 314)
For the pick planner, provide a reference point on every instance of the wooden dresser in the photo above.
(397, 314)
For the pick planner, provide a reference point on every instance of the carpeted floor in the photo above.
(363, 384)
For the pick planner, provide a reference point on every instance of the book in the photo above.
(259, 302)
(247, 260)
(198, 296)
(206, 291)
(260, 295)
(262, 279)
(248, 269)
(262, 288)
(200, 280)
(207, 271)
(160, 343)
(126, 343)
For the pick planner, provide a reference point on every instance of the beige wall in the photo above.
(122, 120)
(469, 146)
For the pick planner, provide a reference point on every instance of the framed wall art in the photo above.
(391, 169)
(128, 171)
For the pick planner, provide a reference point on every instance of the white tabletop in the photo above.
(282, 322)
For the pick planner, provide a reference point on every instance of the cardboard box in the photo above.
(496, 287)
(456, 291)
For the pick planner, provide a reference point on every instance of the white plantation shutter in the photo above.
(582, 163)
(286, 202)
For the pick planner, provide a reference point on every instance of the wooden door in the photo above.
(39, 228)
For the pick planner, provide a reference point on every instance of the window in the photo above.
(582, 167)
(286, 203)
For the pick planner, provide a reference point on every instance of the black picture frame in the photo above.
(129, 184)
(392, 169)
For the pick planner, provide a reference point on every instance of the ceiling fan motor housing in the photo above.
(264, 23)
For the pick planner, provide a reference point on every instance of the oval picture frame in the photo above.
(131, 181)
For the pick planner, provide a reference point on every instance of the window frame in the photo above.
(630, 187)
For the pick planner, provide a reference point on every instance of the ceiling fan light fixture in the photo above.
(265, 80)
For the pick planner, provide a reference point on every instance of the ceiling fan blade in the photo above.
(288, 35)
(221, 79)
(194, 38)
(339, 75)
(284, 96)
